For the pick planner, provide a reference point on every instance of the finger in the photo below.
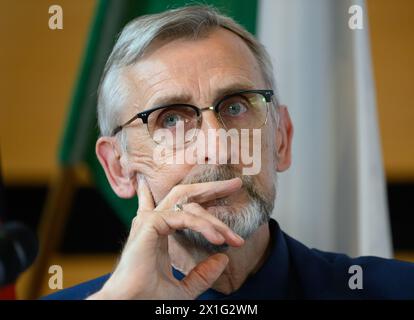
(203, 276)
(200, 192)
(230, 236)
(145, 199)
(167, 223)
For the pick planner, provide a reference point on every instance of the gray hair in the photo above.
(190, 22)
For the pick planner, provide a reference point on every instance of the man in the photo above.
(173, 83)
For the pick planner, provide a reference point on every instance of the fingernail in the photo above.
(237, 236)
(220, 237)
(140, 179)
(237, 178)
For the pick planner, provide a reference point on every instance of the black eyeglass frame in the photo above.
(143, 115)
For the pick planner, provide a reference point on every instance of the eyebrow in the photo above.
(187, 98)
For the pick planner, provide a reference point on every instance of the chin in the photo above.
(243, 216)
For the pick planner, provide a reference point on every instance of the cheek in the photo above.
(266, 149)
(265, 178)
(161, 181)
(161, 175)
(139, 157)
(269, 146)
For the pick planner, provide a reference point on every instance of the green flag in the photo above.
(81, 132)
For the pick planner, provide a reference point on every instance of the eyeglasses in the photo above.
(247, 109)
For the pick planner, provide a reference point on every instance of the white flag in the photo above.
(333, 197)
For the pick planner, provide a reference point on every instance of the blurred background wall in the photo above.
(38, 71)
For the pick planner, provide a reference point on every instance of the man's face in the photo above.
(196, 72)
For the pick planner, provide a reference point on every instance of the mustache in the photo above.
(243, 220)
(224, 172)
(213, 173)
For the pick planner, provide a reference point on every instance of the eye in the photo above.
(234, 109)
(170, 120)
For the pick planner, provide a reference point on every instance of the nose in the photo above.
(210, 119)
(217, 150)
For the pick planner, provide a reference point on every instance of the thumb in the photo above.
(204, 274)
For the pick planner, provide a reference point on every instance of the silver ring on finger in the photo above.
(178, 207)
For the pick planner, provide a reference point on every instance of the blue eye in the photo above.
(171, 120)
(235, 109)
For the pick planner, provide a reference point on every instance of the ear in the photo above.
(284, 135)
(109, 155)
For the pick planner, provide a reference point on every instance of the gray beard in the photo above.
(243, 221)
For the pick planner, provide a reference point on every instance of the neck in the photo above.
(243, 261)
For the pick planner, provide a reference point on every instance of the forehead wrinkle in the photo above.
(157, 72)
(168, 94)
(153, 84)
(208, 89)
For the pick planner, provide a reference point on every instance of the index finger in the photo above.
(145, 199)
(199, 192)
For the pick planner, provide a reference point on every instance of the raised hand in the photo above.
(144, 270)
